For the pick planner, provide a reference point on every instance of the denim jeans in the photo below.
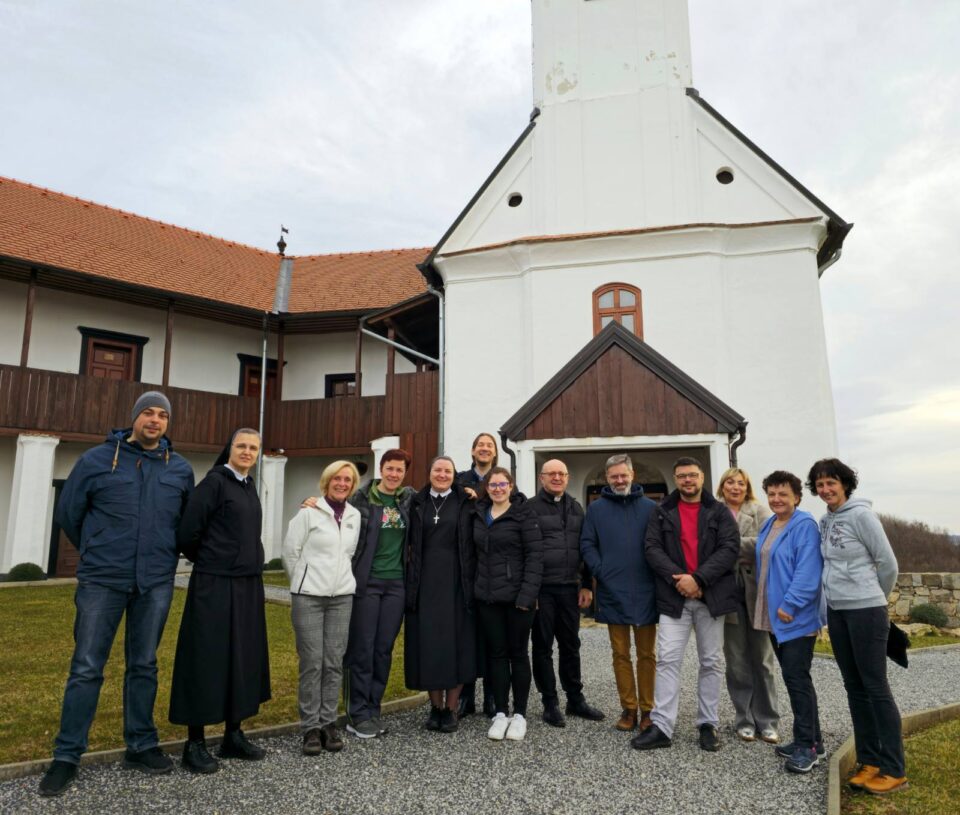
(859, 639)
(795, 658)
(99, 611)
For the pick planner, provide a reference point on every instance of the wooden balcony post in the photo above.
(359, 360)
(167, 343)
(391, 360)
(28, 319)
(278, 391)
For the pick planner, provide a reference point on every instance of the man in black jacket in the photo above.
(692, 545)
(561, 597)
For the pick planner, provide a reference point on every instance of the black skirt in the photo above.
(222, 668)
(439, 637)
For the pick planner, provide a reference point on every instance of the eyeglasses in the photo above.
(498, 485)
(555, 474)
(686, 476)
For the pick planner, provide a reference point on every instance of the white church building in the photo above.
(654, 276)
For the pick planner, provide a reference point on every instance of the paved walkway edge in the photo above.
(8, 772)
(844, 759)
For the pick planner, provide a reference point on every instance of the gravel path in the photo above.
(585, 768)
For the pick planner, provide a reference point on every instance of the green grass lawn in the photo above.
(276, 579)
(933, 767)
(925, 641)
(36, 644)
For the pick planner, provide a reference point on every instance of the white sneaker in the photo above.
(498, 727)
(746, 733)
(517, 729)
(770, 736)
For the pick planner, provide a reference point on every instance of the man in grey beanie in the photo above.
(120, 507)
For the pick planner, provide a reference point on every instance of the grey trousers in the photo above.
(321, 626)
(672, 637)
(750, 674)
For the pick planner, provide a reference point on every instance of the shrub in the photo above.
(929, 614)
(919, 547)
(273, 565)
(23, 572)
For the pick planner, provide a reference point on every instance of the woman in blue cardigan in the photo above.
(790, 607)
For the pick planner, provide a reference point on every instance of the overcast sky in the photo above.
(367, 125)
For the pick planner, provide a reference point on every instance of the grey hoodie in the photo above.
(859, 567)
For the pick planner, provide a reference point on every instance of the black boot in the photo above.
(489, 703)
(197, 759)
(553, 716)
(434, 719)
(237, 745)
(466, 706)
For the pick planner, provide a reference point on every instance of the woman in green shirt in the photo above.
(378, 565)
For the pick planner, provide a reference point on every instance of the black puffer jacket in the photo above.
(509, 554)
(717, 552)
(420, 508)
(371, 516)
(560, 524)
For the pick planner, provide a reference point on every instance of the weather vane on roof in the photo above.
(282, 244)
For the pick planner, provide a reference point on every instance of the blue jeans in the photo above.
(99, 610)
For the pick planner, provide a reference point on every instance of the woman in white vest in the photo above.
(317, 553)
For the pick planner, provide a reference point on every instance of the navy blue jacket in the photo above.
(612, 547)
(120, 507)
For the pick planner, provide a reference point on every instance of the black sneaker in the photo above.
(152, 761)
(312, 744)
(58, 778)
(651, 739)
(787, 750)
(580, 708)
(803, 760)
(236, 745)
(466, 706)
(448, 721)
(197, 759)
(709, 739)
(553, 717)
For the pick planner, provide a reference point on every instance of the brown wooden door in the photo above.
(251, 381)
(109, 360)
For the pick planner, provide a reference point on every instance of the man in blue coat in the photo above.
(120, 507)
(611, 543)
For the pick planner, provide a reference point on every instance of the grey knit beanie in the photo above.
(148, 400)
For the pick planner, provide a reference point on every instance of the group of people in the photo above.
(475, 573)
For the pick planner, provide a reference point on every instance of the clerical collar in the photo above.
(236, 475)
(443, 494)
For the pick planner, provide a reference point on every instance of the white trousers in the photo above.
(672, 637)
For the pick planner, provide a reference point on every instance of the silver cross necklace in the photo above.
(437, 508)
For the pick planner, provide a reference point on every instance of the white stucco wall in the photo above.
(715, 302)
(310, 357)
(13, 305)
(55, 342)
(204, 353)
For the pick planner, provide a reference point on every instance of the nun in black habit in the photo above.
(221, 672)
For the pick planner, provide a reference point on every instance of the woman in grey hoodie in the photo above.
(859, 571)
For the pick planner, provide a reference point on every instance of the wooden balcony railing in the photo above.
(85, 408)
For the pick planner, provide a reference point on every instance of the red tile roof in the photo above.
(52, 229)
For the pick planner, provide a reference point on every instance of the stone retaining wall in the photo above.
(937, 588)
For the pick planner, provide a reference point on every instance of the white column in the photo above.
(271, 499)
(526, 469)
(380, 446)
(31, 501)
(719, 460)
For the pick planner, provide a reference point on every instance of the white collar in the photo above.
(435, 494)
(240, 478)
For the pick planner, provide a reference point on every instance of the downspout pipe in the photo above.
(741, 438)
(505, 446)
(263, 400)
(833, 259)
(438, 360)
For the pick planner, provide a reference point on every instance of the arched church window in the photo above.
(618, 302)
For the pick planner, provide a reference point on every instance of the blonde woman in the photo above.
(748, 652)
(317, 553)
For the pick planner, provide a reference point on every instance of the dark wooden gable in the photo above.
(617, 385)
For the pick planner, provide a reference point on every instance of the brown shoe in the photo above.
(330, 738)
(627, 721)
(863, 774)
(881, 784)
(312, 746)
(645, 721)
